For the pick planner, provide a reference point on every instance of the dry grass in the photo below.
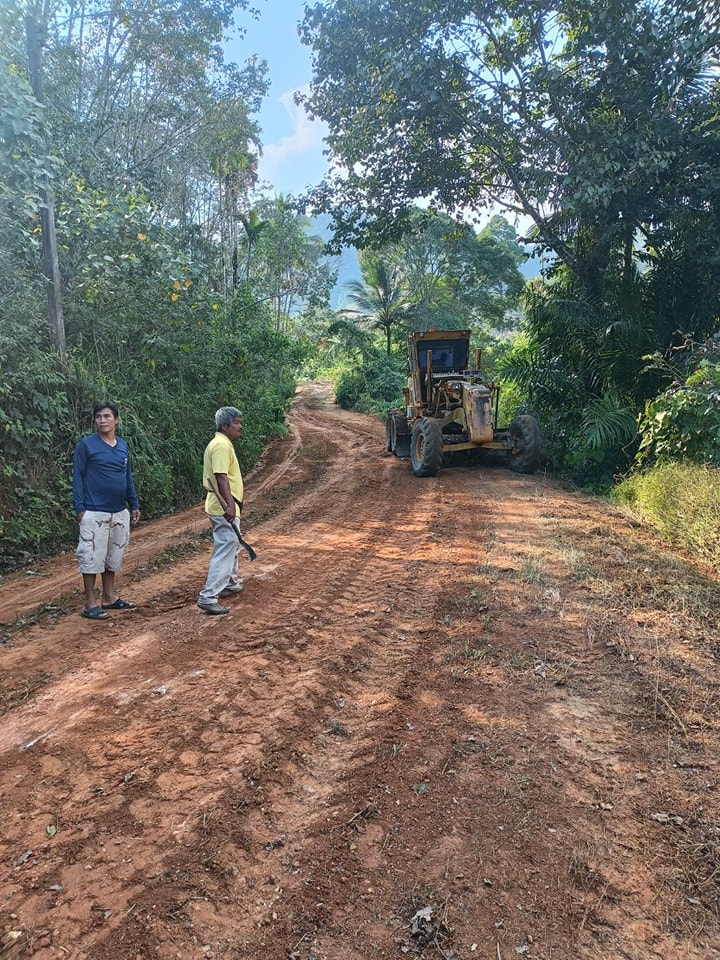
(15, 693)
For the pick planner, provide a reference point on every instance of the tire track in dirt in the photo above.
(342, 590)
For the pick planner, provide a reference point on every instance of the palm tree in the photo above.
(253, 226)
(380, 299)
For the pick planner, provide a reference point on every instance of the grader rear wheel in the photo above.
(524, 450)
(389, 432)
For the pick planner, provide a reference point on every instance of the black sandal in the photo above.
(95, 613)
(119, 604)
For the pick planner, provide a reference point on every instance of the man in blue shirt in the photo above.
(103, 486)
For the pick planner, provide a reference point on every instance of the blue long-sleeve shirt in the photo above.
(102, 478)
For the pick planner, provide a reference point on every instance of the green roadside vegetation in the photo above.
(176, 283)
(573, 120)
(185, 287)
(676, 483)
(682, 501)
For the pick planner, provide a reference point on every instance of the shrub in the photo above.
(683, 423)
(349, 388)
(682, 501)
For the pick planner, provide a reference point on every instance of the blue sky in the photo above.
(292, 145)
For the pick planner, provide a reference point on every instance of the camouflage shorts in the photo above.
(103, 540)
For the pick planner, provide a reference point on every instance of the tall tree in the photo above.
(456, 277)
(35, 40)
(591, 119)
(21, 179)
(138, 83)
(139, 99)
(290, 267)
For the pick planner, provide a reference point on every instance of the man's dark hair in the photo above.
(105, 404)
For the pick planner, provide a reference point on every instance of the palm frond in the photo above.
(607, 424)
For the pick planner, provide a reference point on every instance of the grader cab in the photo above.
(450, 407)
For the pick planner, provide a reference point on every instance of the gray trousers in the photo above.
(223, 570)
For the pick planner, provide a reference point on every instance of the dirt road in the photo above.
(468, 716)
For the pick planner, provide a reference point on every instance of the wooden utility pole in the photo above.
(35, 39)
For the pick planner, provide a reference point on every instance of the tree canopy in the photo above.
(598, 122)
(381, 299)
(178, 286)
(458, 278)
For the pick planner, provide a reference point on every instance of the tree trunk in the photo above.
(34, 35)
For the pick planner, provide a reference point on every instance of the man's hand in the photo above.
(79, 516)
(135, 517)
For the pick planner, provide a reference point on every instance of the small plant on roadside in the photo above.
(472, 651)
(336, 729)
(14, 694)
(520, 661)
(578, 564)
(467, 605)
(580, 870)
(183, 548)
(43, 613)
(530, 572)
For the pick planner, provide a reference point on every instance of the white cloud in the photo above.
(295, 161)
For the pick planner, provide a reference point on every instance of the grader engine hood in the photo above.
(478, 412)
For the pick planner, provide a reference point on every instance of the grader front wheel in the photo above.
(397, 433)
(426, 447)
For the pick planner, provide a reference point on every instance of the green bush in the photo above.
(168, 388)
(682, 501)
(683, 423)
(350, 386)
(373, 384)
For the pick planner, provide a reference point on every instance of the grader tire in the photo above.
(389, 432)
(524, 450)
(426, 447)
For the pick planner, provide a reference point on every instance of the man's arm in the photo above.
(78, 481)
(132, 496)
(223, 485)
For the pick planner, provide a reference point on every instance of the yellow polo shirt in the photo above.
(220, 458)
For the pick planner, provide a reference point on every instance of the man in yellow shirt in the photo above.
(224, 485)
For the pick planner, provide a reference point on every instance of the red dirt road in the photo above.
(469, 716)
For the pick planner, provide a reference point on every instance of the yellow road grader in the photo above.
(450, 407)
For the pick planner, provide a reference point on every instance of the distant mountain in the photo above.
(346, 263)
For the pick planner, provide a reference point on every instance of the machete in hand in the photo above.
(246, 546)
